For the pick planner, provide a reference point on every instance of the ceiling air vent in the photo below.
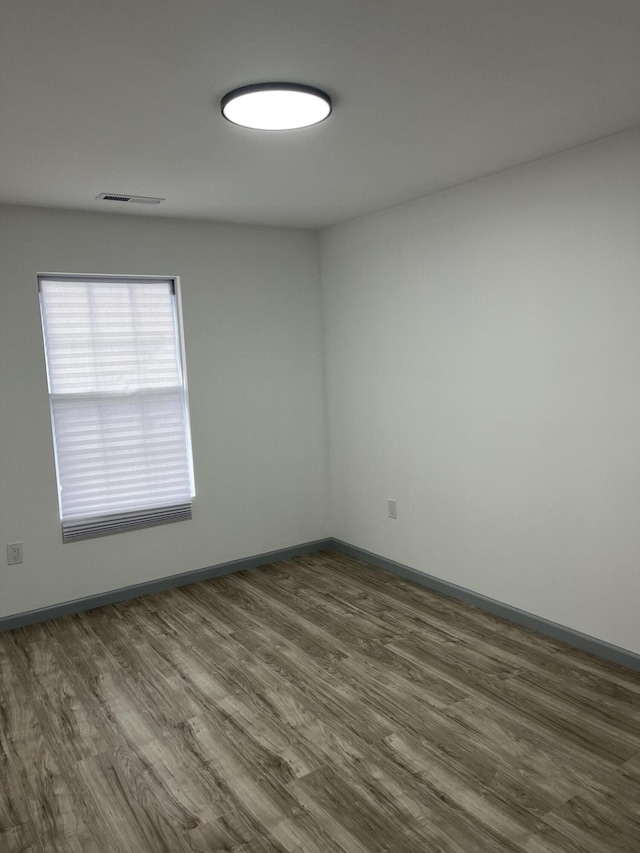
(129, 199)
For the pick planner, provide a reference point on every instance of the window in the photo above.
(118, 396)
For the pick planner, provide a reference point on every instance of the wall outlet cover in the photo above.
(14, 553)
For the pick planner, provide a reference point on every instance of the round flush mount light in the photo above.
(276, 106)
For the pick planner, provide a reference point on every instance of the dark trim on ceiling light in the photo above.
(275, 87)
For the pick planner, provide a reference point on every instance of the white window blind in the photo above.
(118, 402)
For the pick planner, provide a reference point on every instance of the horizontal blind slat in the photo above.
(100, 526)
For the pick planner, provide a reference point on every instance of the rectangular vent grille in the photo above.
(129, 199)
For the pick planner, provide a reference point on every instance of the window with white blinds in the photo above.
(118, 398)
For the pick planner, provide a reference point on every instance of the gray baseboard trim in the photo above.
(66, 608)
(586, 643)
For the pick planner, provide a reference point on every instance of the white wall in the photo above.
(483, 368)
(252, 318)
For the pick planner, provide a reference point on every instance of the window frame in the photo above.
(100, 525)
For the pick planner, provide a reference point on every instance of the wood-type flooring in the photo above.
(317, 705)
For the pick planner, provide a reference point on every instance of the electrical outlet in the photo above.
(14, 553)
(392, 509)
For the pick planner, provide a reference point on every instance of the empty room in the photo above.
(319, 426)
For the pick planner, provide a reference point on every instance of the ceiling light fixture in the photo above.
(276, 106)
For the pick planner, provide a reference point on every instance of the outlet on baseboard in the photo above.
(14, 553)
(392, 509)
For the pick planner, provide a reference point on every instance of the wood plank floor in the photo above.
(316, 705)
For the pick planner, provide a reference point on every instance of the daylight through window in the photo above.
(118, 398)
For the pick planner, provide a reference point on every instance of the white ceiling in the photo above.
(122, 96)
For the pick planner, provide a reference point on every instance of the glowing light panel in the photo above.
(276, 106)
